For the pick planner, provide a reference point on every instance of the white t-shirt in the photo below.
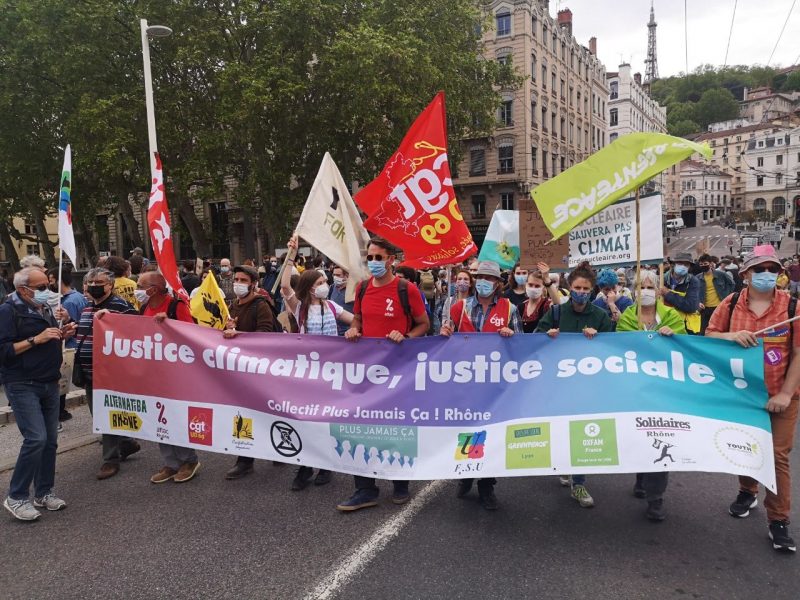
(316, 324)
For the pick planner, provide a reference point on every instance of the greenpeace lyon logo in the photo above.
(739, 447)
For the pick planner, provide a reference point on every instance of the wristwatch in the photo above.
(31, 341)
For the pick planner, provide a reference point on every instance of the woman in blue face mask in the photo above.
(578, 315)
(516, 286)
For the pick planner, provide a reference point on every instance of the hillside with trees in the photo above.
(710, 94)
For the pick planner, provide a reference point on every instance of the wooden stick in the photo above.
(771, 327)
(638, 266)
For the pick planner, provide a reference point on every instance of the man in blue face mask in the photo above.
(681, 290)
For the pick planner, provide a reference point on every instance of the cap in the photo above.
(683, 257)
(137, 250)
(251, 272)
(621, 271)
(762, 254)
(489, 268)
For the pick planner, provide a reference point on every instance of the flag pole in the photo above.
(638, 265)
(290, 255)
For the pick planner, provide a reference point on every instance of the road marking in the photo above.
(364, 554)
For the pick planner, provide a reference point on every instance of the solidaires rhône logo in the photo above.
(127, 421)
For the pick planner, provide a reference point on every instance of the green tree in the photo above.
(716, 104)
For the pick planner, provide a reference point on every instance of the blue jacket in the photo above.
(18, 322)
(74, 303)
(723, 284)
(690, 286)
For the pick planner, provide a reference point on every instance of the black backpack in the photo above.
(276, 324)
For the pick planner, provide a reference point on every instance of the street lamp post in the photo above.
(147, 32)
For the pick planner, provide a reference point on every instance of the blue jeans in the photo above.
(578, 479)
(35, 407)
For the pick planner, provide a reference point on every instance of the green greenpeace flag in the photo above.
(608, 175)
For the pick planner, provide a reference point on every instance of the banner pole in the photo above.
(289, 256)
(638, 265)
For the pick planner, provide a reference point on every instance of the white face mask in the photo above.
(241, 289)
(321, 291)
(339, 281)
(534, 293)
(141, 296)
(647, 297)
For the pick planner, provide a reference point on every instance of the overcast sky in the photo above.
(621, 30)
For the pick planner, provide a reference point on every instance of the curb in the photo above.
(74, 398)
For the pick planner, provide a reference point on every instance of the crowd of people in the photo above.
(723, 298)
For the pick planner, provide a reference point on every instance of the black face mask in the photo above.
(96, 291)
(706, 268)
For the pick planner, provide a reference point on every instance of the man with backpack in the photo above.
(738, 316)
(391, 308)
(249, 312)
(180, 464)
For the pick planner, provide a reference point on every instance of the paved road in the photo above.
(210, 538)
(718, 238)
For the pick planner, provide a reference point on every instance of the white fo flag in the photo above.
(332, 224)
(66, 238)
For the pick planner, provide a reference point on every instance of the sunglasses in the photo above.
(38, 288)
(772, 269)
(376, 257)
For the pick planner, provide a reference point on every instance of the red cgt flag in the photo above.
(412, 202)
(161, 234)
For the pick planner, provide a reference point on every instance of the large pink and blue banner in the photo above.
(438, 408)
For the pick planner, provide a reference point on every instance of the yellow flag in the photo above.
(208, 305)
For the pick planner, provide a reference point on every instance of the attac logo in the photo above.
(470, 445)
(201, 422)
(127, 421)
(242, 427)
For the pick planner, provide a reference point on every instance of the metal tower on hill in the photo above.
(651, 70)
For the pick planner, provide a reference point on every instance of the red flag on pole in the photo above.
(412, 202)
(158, 222)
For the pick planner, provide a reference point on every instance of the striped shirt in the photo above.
(84, 334)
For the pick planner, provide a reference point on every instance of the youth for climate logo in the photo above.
(201, 422)
(739, 447)
(470, 445)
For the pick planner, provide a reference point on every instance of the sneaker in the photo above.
(107, 470)
(400, 495)
(127, 448)
(779, 534)
(581, 494)
(655, 510)
(488, 500)
(302, 478)
(323, 477)
(239, 470)
(50, 502)
(22, 509)
(186, 472)
(361, 499)
(740, 508)
(165, 474)
(464, 487)
(60, 427)
(565, 480)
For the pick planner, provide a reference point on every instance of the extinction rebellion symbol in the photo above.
(285, 439)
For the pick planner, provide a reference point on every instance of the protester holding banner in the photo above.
(385, 307)
(484, 312)
(610, 298)
(715, 285)
(100, 286)
(655, 316)
(180, 463)
(250, 312)
(681, 291)
(759, 311)
(578, 315)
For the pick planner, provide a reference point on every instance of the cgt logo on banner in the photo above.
(201, 421)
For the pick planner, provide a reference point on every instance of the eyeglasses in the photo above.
(38, 288)
(376, 257)
(772, 269)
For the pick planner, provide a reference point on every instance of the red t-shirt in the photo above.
(381, 311)
(183, 313)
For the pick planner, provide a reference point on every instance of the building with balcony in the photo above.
(555, 120)
(705, 193)
(630, 107)
(772, 173)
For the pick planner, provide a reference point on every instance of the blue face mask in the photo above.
(520, 279)
(681, 270)
(377, 268)
(579, 297)
(484, 288)
(764, 282)
(40, 298)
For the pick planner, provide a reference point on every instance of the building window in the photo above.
(612, 137)
(544, 164)
(544, 76)
(505, 157)
(553, 124)
(760, 144)
(30, 229)
(553, 81)
(578, 103)
(759, 180)
(614, 90)
(533, 27)
(534, 163)
(555, 165)
(533, 67)
(562, 89)
(779, 178)
(614, 117)
(673, 182)
(563, 164)
(760, 161)
(533, 113)
(32, 248)
(563, 128)
(504, 24)
(478, 206)
(724, 185)
(544, 118)
(507, 200)
(477, 162)
(779, 159)
(506, 113)
(504, 60)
